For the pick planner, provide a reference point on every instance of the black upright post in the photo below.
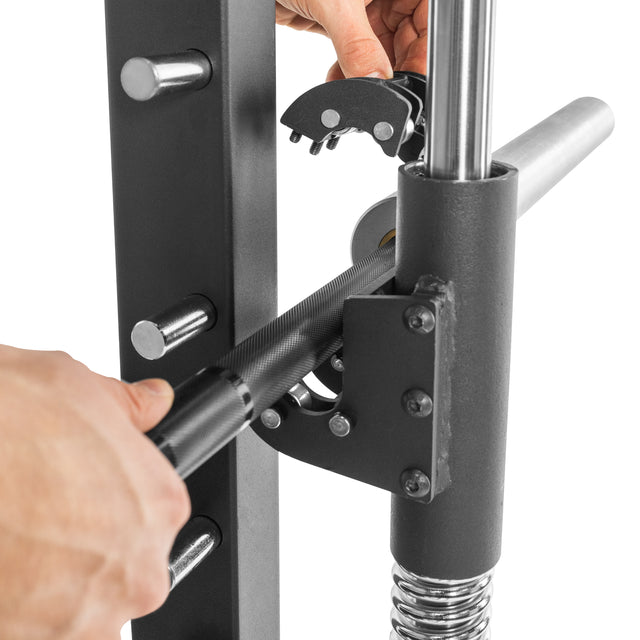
(195, 213)
(462, 232)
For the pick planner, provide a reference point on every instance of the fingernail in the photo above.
(376, 74)
(155, 387)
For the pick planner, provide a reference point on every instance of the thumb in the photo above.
(359, 51)
(149, 401)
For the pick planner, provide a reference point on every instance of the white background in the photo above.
(571, 536)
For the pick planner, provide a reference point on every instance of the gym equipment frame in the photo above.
(192, 100)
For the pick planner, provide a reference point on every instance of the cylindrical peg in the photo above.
(144, 78)
(155, 337)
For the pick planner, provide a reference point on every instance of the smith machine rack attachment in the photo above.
(193, 137)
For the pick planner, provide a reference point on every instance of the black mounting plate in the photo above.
(383, 359)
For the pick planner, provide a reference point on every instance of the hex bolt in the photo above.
(383, 131)
(340, 425)
(330, 118)
(415, 483)
(337, 363)
(417, 403)
(419, 319)
(271, 419)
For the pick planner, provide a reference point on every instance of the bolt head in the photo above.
(415, 483)
(271, 419)
(337, 363)
(419, 319)
(383, 131)
(417, 403)
(340, 425)
(330, 118)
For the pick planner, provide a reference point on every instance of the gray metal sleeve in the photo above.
(213, 407)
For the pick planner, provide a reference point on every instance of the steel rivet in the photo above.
(383, 131)
(419, 319)
(417, 403)
(340, 425)
(415, 483)
(271, 419)
(330, 118)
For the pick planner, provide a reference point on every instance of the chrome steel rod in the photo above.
(459, 89)
(546, 153)
(195, 543)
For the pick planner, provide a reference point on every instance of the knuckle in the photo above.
(359, 50)
(59, 365)
(178, 504)
(150, 586)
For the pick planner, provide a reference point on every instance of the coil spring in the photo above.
(426, 609)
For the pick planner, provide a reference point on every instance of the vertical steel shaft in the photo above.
(459, 90)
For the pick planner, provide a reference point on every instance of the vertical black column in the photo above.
(195, 212)
(462, 232)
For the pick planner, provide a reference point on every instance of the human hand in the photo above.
(89, 508)
(371, 37)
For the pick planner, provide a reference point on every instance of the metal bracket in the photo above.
(384, 429)
(392, 111)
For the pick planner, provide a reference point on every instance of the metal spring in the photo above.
(427, 609)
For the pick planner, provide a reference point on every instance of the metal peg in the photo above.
(194, 544)
(155, 337)
(144, 78)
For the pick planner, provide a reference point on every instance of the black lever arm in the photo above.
(392, 111)
(214, 406)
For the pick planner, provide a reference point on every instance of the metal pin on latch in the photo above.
(144, 78)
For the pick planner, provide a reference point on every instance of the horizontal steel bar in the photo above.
(546, 153)
(550, 150)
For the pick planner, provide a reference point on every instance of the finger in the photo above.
(411, 41)
(404, 37)
(416, 56)
(148, 401)
(335, 73)
(382, 31)
(287, 18)
(359, 50)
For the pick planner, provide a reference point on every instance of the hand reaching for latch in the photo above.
(89, 507)
(371, 37)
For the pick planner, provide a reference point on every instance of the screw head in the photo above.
(419, 319)
(340, 425)
(330, 118)
(383, 131)
(417, 403)
(337, 363)
(415, 483)
(271, 419)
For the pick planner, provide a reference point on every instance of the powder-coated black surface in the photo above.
(195, 212)
(464, 234)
